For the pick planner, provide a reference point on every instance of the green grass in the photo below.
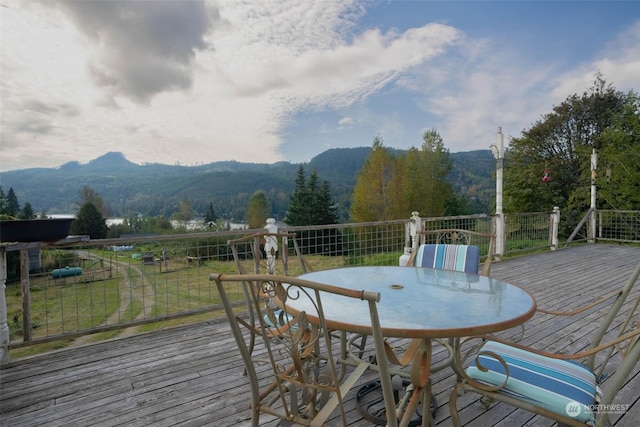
(83, 302)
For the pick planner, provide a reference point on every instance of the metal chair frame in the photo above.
(620, 353)
(306, 386)
(267, 264)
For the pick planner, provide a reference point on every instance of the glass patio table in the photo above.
(424, 304)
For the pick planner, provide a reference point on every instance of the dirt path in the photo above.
(138, 289)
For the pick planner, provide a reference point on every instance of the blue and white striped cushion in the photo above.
(553, 384)
(449, 257)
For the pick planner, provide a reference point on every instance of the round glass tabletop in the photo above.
(422, 302)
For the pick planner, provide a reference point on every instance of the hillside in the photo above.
(156, 189)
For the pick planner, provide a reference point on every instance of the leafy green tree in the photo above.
(146, 225)
(89, 221)
(619, 159)
(117, 230)
(561, 144)
(392, 187)
(185, 214)
(258, 210)
(371, 201)
(434, 165)
(89, 195)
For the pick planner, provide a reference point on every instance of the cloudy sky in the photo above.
(192, 82)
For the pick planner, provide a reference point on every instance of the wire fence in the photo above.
(138, 283)
(527, 231)
(619, 226)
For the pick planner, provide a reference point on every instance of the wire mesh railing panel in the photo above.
(116, 283)
(478, 223)
(620, 226)
(527, 231)
(339, 245)
(475, 223)
(102, 285)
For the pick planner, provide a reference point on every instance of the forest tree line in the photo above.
(548, 165)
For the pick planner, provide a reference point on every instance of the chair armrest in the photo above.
(583, 354)
(583, 308)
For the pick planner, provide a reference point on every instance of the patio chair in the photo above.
(306, 384)
(448, 256)
(454, 249)
(464, 258)
(554, 385)
(251, 248)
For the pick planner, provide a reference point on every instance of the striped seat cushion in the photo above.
(561, 386)
(449, 257)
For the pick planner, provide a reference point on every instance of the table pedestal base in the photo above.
(370, 403)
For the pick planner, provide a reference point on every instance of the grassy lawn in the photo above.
(119, 289)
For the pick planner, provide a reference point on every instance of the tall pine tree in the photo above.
(311, 203)
(299, 202)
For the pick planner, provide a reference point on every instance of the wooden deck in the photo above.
(192, 376)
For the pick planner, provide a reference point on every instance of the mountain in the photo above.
(157, 189)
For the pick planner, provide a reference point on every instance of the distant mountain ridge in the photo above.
(157, 189)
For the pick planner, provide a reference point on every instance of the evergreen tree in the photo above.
(210, 215)
(12, 207)
(27, 211)
(311, 203)
(3, 202)
(327, 210)
(297, 212)
(313, 208)
(90, 222)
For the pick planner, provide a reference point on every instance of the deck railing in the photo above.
(78, 288)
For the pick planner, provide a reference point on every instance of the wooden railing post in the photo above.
(4, 325)
(555, 221)
(498, 152)
(499, 230)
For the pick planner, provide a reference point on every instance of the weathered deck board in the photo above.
(192, 376)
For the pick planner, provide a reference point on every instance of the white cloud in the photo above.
(190, 83)
(478, 87)
(160, 88)
(345, 121)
